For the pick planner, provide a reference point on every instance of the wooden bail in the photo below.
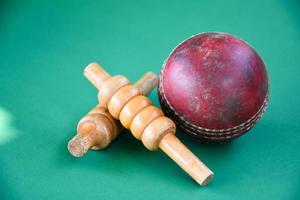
(98, 128)
(148, 123)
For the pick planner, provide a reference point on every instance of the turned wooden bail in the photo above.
(98, 128)
(146, 122)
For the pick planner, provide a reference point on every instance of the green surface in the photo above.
(44, 46)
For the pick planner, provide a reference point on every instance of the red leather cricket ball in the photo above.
(214, 86)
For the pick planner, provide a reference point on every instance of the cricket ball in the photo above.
(214, 86)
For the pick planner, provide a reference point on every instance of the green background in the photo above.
(44, 47)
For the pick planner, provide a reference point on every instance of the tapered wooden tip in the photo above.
(186, 159)
(147, 83)
(96, 74)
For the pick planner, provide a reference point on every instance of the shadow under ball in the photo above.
(214, 86)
